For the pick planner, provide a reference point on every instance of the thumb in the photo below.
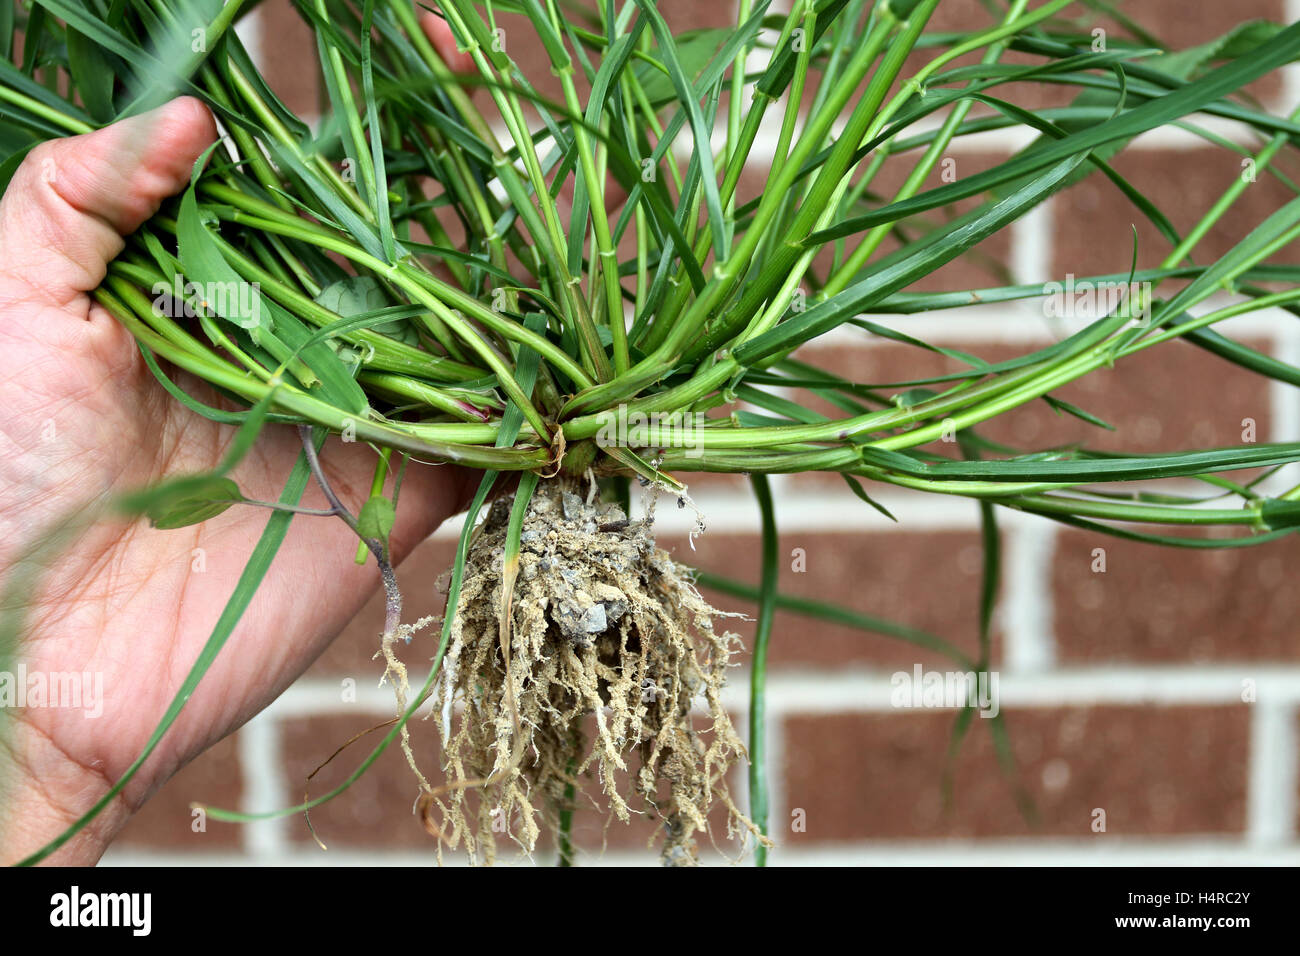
(72, 200)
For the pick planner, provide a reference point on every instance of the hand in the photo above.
(84, 419)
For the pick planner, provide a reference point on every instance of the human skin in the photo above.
(84, 419)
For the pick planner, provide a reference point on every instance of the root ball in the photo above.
(604, 625)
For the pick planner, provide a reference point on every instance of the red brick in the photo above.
(376, 811)
(927, 581)
(1167, 605)
(684, 15)
(1171, 23)
(1152, 400)
(1156, 771)
(1168, 21)
(1094, 220)
(166, 821)
(1175, 24)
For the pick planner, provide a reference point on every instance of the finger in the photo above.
(440, 35)
(72, 200)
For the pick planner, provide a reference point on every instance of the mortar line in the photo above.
(1271, 790)
(870, 690)
(1025, 609)
(1032, 245)
(1291, 72)
(261, 762)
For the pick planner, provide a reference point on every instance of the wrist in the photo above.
(43, 793)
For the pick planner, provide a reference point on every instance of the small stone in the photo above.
(593, 622)
(572, 506)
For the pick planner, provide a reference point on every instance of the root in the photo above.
(603, 627)
(396, 670)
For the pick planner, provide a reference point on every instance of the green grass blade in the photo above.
(684, 89)
(758, 768)
(379, 198)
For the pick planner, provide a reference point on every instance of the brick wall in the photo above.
(1122, 689)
